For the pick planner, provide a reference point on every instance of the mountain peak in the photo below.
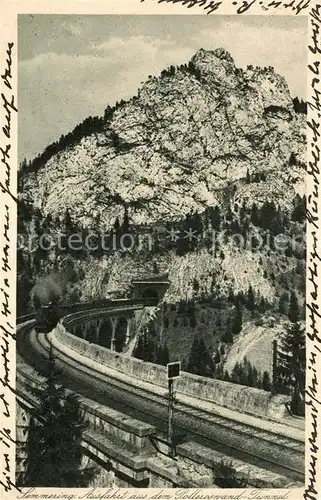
(216, 66)
(207, 55)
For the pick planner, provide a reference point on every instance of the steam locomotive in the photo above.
(47, 317)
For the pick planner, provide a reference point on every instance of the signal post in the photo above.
(173, 372)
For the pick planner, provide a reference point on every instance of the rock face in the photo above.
(176, 146)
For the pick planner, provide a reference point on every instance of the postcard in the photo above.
(160, 250)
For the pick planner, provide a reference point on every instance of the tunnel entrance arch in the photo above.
(152, 287)
(150, 293)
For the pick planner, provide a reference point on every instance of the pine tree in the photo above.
(149, 349)
(165, 355)
(266, 383)
(194, 361)
(117, 226)
(294, 310)
(237, 320)
(283, 303)
(262, 305)
(255, 218)
(243, 211)
(47, 222)
(206, 364)
(228, 213)
(108, 113)
(299, 211)
(54, 439)
(250, 375)
(292, 159)
(235, 375)
(196, 285)
(250, 299)
(217, 358)
(139, 351)
(24, 164)
(230, 296)
(37, 217)
(256, 378)
(300, 106)
(235, 226)
(200, 361)
(215, 218)
(125, 224)
(292, 363)
(158, 354)
(227, 337)
(68, 224)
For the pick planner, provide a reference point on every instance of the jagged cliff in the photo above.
(187, 136)
(204, 145)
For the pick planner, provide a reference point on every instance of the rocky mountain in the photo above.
(187, 138)
(204, 146)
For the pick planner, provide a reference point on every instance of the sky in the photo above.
(71, 67)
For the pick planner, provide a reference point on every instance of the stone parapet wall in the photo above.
(128, 432)
(205, 464)
(234, 396)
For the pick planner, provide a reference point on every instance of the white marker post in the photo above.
(173, 372)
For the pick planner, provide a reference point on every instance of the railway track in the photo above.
(265, 449)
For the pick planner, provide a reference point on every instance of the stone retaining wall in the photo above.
(234, 396)
(122, 429)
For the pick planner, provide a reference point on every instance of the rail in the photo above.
(67, 311)
(260, 447)
(72, 318)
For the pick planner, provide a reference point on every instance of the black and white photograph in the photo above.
(161, 251)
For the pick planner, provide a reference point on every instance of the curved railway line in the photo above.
(262, 448)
